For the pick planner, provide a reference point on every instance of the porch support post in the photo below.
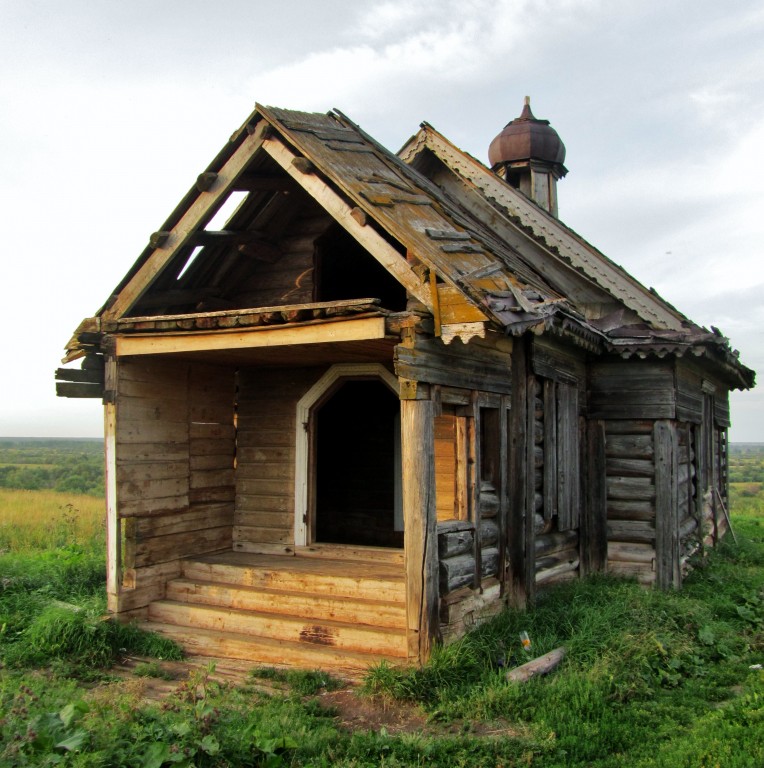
(113, 527)
(420, 526)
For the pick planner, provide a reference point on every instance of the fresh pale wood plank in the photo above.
(315, 333)
(362, 611)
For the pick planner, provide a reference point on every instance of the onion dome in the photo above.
(526, 139)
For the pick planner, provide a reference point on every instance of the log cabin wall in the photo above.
(469, 385)
(265, 470)
(174, 457)
(666, 464)
(558, 395)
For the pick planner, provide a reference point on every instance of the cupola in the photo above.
(529, 155)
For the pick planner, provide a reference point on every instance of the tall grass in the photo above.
(44, 520)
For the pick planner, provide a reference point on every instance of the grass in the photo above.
(45, 520)
(650, 680)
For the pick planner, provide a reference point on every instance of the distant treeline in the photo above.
(76, 466)
(746, 463)
(73, 466)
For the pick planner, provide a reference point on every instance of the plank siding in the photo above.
(267, 404)
(174, 497)
(627, 390)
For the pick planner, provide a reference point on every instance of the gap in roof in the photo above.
(226, 211)
(191, 259)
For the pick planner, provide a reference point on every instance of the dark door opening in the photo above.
(357, 433)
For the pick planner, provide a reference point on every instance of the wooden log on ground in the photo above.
(543, 665)
(548, 574)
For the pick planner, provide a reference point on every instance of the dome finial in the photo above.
(527, 150)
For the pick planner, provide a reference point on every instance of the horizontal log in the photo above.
(630, 467)
(629, 427)
(454, 543)
(558, 570)
(630, 531)
(547, 543)
(688, 527)
(554, 559)
(625, 509)
(624, 552)
(634, 488)
(489, 561)
(543, 665)
(489, 532)
(629, 446)
(456, 572)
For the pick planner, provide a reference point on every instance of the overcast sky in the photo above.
(109, 110)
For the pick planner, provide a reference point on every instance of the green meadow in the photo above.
(650, 679)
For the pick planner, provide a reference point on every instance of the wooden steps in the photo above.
(310, 610)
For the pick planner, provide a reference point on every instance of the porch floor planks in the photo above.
(323, 606)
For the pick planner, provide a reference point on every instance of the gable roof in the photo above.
(652, 327)
(451, 257)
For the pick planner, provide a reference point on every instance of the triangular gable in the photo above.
(464, 273)
(560, 242)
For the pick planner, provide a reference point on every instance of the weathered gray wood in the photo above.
(629, 446)
(489, 533)
(517, 457)
(78, 389)
(633, 488)
(529, 483)
(454, 543)
(555, 541)
(550, 450)
(594, 543)
(456, 572)
(489, 561)
(421, 543)
(630, 530)
(668, 572)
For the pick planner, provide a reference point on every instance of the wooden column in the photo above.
(666, 505)
(593, 532)
(113, 529)
(518, 473)
(504, 414)
(420, 525)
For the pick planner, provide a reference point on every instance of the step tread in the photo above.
(280, 617)
(264, 650)
(319, 567)
(276, 592)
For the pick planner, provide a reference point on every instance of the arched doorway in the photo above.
(348, 477)
(355, 459)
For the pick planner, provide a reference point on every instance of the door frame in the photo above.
(335, 374)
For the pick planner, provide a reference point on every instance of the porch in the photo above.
(337, 608)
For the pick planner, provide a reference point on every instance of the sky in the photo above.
(110, 109)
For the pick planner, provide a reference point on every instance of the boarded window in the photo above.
(451, 466)
(561, 454)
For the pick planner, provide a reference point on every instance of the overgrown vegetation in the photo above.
(650, 680)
